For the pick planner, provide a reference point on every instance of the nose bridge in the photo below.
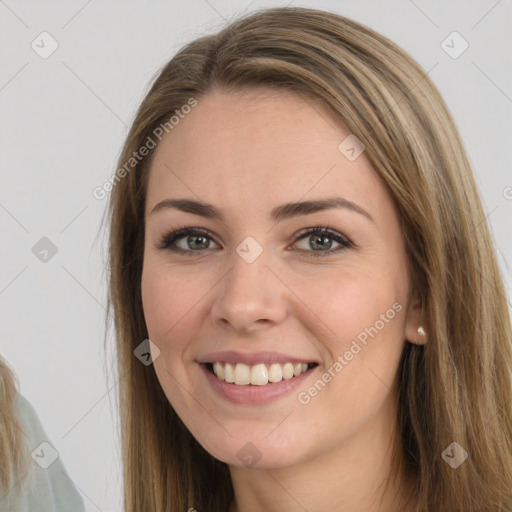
(250, 292)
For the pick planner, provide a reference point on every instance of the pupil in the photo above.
(321, 242)
(195, 243)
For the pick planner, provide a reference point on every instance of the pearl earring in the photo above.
(421, 330)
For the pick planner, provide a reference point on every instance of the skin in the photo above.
(245, 153)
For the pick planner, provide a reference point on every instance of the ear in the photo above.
(415, 328)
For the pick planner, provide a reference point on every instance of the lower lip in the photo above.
(251, 394)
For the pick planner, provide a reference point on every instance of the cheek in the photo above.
(157, 302)
(365, 313)
(168, 311)
(174, 302)
(165, 300)
(353, 299)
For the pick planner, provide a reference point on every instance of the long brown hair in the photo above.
(457, 387)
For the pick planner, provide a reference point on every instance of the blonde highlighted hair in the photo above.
(456, 388)
(12, 444)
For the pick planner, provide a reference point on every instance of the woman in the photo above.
(308, 308)
(32, 476)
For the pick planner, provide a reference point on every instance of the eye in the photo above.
(186, 241)
(322, 238)
(193, 240)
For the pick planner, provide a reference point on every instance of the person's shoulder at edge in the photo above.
(45, 486)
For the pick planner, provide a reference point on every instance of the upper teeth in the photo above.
(258, 374)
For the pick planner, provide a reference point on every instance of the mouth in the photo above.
(261, 374)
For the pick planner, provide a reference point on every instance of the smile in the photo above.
(259, 374)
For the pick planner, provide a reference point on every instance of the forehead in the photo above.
(256, 147)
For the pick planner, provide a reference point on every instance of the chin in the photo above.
(254, 451)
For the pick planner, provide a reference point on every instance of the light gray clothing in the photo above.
(45, 486)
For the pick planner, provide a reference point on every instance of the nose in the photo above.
(250, 297)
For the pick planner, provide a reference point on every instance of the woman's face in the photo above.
(261, 297)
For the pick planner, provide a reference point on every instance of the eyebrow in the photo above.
(279, 213)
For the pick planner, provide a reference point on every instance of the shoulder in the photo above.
(45, 486)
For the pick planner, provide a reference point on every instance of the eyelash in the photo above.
(169, 239)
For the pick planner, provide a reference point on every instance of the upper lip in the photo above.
(251, 358)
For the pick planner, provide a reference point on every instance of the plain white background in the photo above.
(63, 122)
